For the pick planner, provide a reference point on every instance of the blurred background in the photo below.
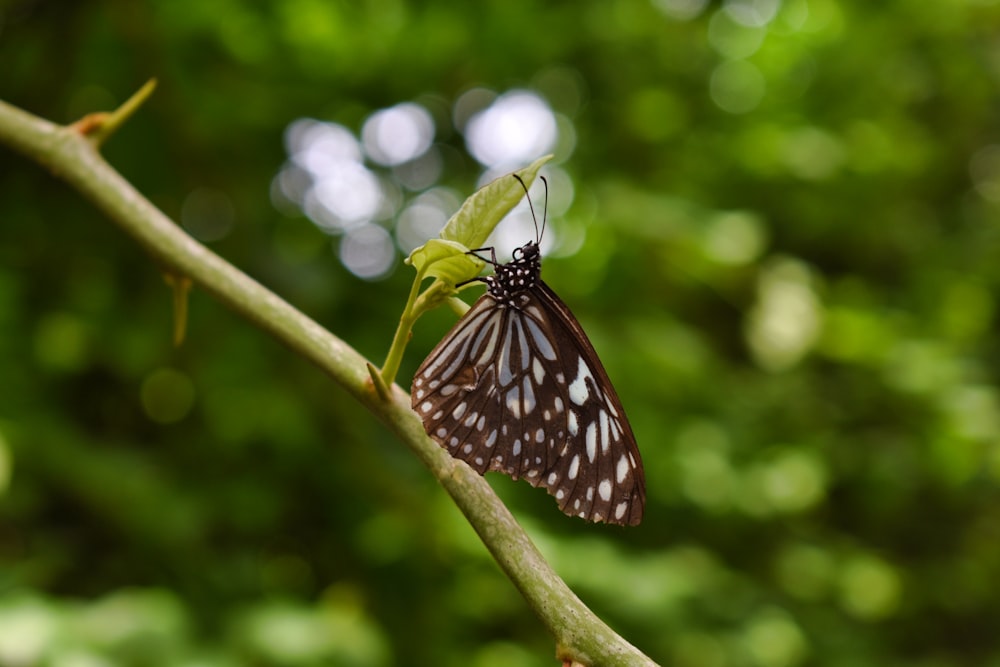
(777, 220)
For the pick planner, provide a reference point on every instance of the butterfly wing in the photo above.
(598, 474)
(519, 389)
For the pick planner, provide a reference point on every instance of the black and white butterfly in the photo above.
(517, 387)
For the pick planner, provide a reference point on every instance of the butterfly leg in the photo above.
(492, 261)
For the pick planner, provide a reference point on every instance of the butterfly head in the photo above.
(522, 273)
(526, 253)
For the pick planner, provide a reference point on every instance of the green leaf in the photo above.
(447, 257)
(487, 206)
(447, 260)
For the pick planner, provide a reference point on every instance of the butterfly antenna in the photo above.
(545, 211)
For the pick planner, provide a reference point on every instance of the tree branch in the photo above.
(581, 636)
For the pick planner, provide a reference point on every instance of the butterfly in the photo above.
(516, 387)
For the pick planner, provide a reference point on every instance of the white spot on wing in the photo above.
(605, 440)
(505, 374)
(604, 489)
(571, 424)
(514, 402)
(538, 371)
(522, 344)
(578, 389)
(574, 467)
(533, 310)
(591, 441)
(621, 470)
(543, 344)
(529, 396)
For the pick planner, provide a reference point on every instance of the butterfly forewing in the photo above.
(516, 387)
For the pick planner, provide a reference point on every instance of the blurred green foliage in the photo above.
(785, 218)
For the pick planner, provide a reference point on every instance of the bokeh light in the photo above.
(167, 395)
(367, 251)
(737, 86)
(870, 588)
(208, 214)
(390, 175)
(326, 177)
(785, 323)
(518, 127)
(315, 145)
(772, 638)
(423, 218)
(349, 192)
(398, 134)
(733, 38)
(735, 237)
(753, 13)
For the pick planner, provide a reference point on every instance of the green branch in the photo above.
(71, 154)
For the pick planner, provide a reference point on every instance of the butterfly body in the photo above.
(517, 387)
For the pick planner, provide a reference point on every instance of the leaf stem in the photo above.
(404, 331)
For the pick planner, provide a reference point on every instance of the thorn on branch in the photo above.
(181, 287)
(99, 126)
(378, 384)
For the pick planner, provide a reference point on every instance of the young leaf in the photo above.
(487, 206)
(447, 260)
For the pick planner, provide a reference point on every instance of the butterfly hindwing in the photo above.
(598, 474)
